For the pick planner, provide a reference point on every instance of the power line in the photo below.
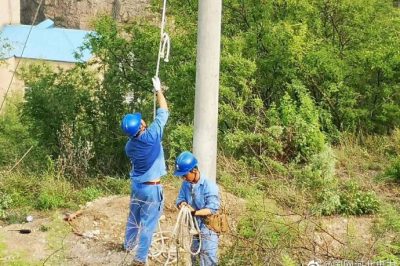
(23, 50)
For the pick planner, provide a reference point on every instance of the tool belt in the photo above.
(217, 222)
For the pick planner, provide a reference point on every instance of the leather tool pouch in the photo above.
(218, 222)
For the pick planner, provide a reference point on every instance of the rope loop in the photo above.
(165, 45)
(185, 229)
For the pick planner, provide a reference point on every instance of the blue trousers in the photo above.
(209, 247)
(145, 209)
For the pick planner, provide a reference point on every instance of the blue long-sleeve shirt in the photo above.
(202, 195)
(146, 151)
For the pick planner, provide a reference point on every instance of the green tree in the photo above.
(55, 99)
(317, 58)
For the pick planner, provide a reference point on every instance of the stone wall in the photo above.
(78, 14)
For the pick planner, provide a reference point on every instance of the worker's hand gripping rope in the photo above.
(164, 45)
(156, 84)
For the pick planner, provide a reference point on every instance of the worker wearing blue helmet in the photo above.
(201, 195)
(145, 151)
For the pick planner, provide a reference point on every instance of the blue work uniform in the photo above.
(202, 195)
(146, 205)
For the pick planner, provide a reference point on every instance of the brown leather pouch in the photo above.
(218, 222)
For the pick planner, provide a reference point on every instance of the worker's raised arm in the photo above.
(162, 102)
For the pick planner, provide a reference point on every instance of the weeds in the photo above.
(14, 258)
(393, 170)
(5, 203)
(50, 191)
(75, 154)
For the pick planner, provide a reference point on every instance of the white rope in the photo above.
(164, 42)
(160, 251)
(186, 227)
(165, 45)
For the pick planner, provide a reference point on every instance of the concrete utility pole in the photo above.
(207, 86)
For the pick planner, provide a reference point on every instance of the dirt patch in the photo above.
(95, 237)
(20, 245)
(343, 237)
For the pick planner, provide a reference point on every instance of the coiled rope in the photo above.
(185, 229)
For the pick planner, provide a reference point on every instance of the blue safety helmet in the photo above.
(184, 163)
(130, 124)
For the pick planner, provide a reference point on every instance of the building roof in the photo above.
(45, 42)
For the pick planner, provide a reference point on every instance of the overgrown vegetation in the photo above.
(308, 117)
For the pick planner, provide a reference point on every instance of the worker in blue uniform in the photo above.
(145, 151)
(201, 195)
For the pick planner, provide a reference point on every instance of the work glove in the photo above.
(156, 84)
(187, 205)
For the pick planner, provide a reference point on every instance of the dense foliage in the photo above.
(295, 75)
(290, 71)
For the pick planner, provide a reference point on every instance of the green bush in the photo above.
(328, 203)
(238, 183)
(48, 201)
(318, 178)
(349, 200)
(75, 155)
(395, 138)
(5, 203)
(288, 133)
(55, 192)
(298, 115)
(388, 220)
(115, 186)
(45, 191)
(178, 139)
(15, 138)
(387, 227)
(354, 201)
(393, 171)
(258, 150)
(20, 188)
(319, 172)
(59, 94)
(90, 193)
(50, 191)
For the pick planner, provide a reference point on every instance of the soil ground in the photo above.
(93, 238)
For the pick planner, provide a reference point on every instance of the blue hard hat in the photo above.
(184, 163)
(130, 124)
